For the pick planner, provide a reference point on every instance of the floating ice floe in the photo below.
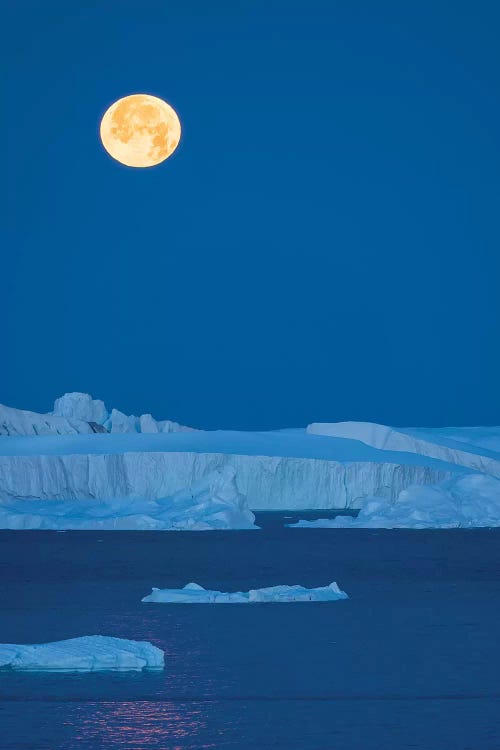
(470, 501)
(192, 593)
(90, 653)
(212, 503)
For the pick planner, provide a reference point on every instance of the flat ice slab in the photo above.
(90, 653)
(192, 593)
(466, 502)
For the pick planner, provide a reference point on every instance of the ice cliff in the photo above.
(272, 470)
(62, 456)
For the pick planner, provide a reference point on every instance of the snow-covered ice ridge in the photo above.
(212, 503)
(323, 466)
(193, 593)
(466, 502)
(476, 448)
(80, 414)
(90, 653)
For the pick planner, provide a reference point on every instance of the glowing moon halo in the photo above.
(140, 130)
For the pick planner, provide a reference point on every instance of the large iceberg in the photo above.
(90, 653)
(274, 470)
(324, 466)
(470, 501)
(211, 503)
(193, 593)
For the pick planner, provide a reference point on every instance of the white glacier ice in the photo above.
(273, 470)
(121, 423)
(90, 653)
(211, 503)
(80, 406)
(56, 457)
(469, 501)
(147, 423)
(475, 437)
(193, 593)
(80, 414)
(19, 422)
(454, 445)
(166, 425)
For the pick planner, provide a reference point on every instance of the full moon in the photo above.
(140, 130)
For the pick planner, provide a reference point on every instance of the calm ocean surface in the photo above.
(411, 660)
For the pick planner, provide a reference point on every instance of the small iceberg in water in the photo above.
(192, 593)
(90, 653)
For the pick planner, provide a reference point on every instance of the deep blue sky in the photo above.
(324, 244)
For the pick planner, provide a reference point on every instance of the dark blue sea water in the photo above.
(411, 660)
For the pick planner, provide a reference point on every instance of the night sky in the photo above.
(323, 245)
